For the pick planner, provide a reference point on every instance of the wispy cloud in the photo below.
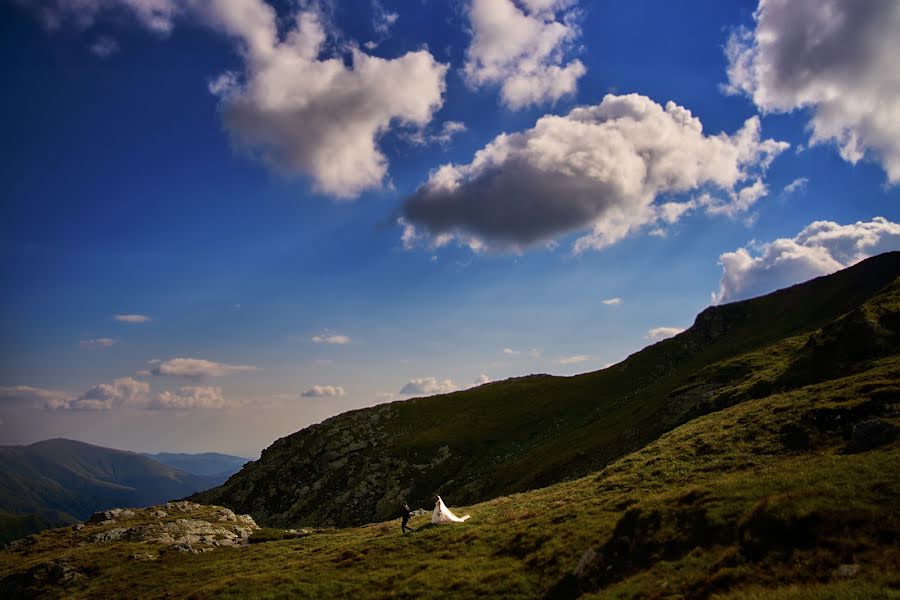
(132, 318)
(330, 338)
(573, 360)
(612, 301)
(197, 368)
(104, 47)
(97, 343)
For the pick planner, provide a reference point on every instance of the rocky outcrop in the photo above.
(181, 526)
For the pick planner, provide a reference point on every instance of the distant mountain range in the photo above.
(207, 464)
(59, 481)
(529, 432)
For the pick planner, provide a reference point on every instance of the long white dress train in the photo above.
(442, 514)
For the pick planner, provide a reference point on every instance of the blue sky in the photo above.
(128, 187)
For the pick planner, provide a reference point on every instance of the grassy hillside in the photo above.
(66, 481)
(792, 495)
(530, 432)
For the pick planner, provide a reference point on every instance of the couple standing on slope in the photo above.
(440, 516)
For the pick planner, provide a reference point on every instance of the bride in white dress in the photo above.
(442, 514)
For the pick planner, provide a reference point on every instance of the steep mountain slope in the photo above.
(529, 432)
(790, 496)
(216, 466)
(66, 481)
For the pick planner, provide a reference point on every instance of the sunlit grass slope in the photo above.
(772, 498)
(525, 433)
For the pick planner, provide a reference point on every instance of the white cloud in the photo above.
(382, 20)
(104, 47)
(156, 15)
(599, 167)
(323, 391)
(449, 129)
(522, 49)
(613, 301)
(573, 360)
(822, 247)
(797, 185)
(124, 391)
(197, 368)
(511, 352)
(321, 117)
(187, 397)
(836, 58)
(331, 338)
(428, 386)
(482, 379)
(660, 333)
(296, 109)
(132, 318)
(33, 396)
(97, 343)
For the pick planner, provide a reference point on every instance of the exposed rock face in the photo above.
(333, 474)
(872, 434)
(181, 526)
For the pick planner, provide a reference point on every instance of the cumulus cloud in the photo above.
(482, 379)
(660, 333)
(323, 391)
(522, 47)
(331, 338)
(124, 391)
(836, 58)
(428, 386)
(197, 368)
(132, 318)
(320, 116)
(97, 343)
(296, 109)
(822, 247)
(187, 397)
(599, 167)
(24, 395)
(612, 301)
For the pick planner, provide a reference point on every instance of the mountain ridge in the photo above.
(61, 481)
(529, 432)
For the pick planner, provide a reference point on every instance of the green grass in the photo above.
(527, 433)
(718, 507)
